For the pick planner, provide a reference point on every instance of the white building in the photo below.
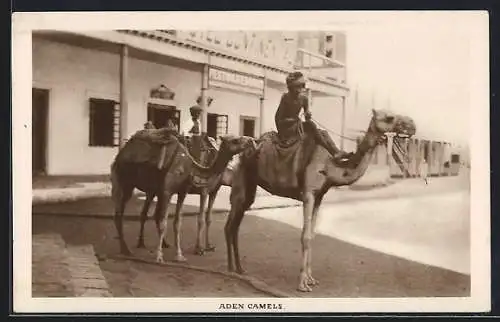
(91, 89)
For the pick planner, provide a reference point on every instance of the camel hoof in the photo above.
(312, 281)
(199, 251)
(210, 248)
(240, 271)
(180, 258)
(303, 287)
(159, 259)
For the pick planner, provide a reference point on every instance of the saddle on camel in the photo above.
(287, 152)
(151, 145)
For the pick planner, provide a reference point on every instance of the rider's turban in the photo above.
(295, 79)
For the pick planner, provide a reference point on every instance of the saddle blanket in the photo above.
(282, 165)
(145, 146)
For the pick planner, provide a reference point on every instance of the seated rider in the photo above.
(287, 116)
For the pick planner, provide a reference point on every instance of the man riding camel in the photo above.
(287, 118)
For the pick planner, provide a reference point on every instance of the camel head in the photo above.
(384, 121)
(232, 144)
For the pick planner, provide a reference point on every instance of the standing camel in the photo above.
(319, 173)
(208, 190)
(178, 168)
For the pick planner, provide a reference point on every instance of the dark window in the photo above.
(217, 125)
(455, 158)
(104, 127)
(248, 127)
(160, 114)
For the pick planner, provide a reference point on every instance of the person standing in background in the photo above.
(192, 126)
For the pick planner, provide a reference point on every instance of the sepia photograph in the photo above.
(254, 162)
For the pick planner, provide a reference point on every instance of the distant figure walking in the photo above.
(424, 171)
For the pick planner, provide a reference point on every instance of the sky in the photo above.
(423, 71)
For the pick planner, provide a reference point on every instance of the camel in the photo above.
(209, 191)
(179, 167)
(320, 173)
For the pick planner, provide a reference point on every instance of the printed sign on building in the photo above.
(229, 80)
(272, 47)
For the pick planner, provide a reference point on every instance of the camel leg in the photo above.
(162, 215)
(177, 226)
(235, 231)
(229, 238)
(250, 191)
(198, 249)
(317, 202)
(308, 203)
(144, 216)
(126, 193)
(208, 220)
(240, 201)
(159, 212)
(120, 194)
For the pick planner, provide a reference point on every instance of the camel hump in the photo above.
(157, 136)
(145, 147)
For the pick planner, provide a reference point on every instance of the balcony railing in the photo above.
(315, 64)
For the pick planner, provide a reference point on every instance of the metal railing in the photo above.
(401, 156)
(315, 64)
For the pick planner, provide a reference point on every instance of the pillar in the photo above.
(390, 140)
(203, 105)
(123, 95)
(407, 159)
(418, 156)
(430, 161)
(342, 125)
(441, 158)
(261, 107)
(411, 156)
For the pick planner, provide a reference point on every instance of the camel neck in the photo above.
(365, 148)
(216, 166)
(360, 160)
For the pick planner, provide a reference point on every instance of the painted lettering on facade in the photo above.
(222, 76)
(270, 46)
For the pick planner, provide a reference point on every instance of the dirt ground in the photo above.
(270, 252)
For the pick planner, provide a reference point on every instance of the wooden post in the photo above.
(261, 107)
(441, 158)
(203, 105)
(123, 95)
(418, 155)
(390, 140)
(430, 161)
(408, 158)
(342, 124)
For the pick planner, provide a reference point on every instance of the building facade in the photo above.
(92, 90)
